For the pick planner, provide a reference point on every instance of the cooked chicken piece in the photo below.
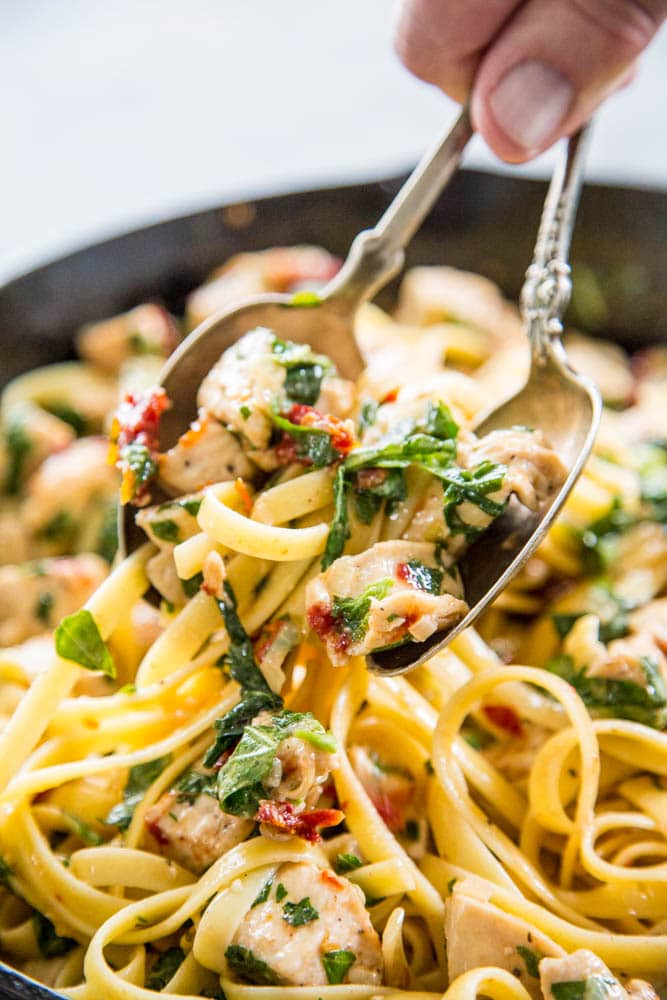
(620, 660)
(249, 381)
(440, 294)
(35, 596)
(534, 470)
(580, 965)
(298, 953)
(638, 989)
(604, 363)
(30, 435)
(161, 571)
(147, 329)
(195, 834)
(392, 592)
(651, 620)
(14, 539)
(480, 934)
(207, 453)
(65, 488)
(515, 757)
(278, 269)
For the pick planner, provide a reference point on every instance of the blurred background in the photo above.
(119, 114)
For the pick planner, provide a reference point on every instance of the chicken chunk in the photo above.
(14, 539)
(480, 934)
(195, 832)
(35, 596)
(167, 525)
(639, 989)
(579, 966)
(278, 269)
(393, 592)
(30, 435)
(261, 374)
(146, 329)
(534, 470)
(331, 941)
(207, 453)
(65, 488)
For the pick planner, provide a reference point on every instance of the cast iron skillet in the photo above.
(484, 223)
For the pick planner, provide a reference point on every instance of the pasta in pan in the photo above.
(215, 797)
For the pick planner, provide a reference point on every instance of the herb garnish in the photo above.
(531, 960)
(78, 639)
(139, 780)
(50, 944)
(350, 614)
(346, 863)
(298, 914)
(337, 964)
(616, 698)
(166, 531)
(250, 969)
(18, 446)
(164, 968)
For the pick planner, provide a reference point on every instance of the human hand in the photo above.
(533, 70)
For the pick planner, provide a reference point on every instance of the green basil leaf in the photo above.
(337, 964)
(350, 614)
(139, 780)
(78, 639)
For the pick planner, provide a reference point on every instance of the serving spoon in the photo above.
(565, 406)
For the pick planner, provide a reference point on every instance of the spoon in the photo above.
(327, 322)
(565, 406)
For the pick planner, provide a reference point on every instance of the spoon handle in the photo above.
(547, 287)
(377, 254)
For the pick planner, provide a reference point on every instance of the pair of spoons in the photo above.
(565, 406)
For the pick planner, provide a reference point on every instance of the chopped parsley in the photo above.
(617, 698)
(337, 964)
(164, 968)
(367, 415)
(78, 639)
(245, 411)
(141, 462)
(346, 863)
(263, 893)
(298, 914)
(281, 892)
(249, 969)
(351, 613)
(303, 382)
(139, 780)
(84, 831)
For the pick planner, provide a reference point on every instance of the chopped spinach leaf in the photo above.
(44, 607)
(241, 656)
(18, 446)
(531, 960)
(193, 783)
(339, 531)
(390, 485)
(598, 541)
(471, 486)
(298, 914)
(192, 585)
(281, 892)
(351, 613)
(654, 493)
(230, 728)
(240, 779)
(166, 531)
(337, 964)
(440, 422)
(139, 780)
(367, 415)
(107, 539)
(312, 445)
(60, 528)
(249, 969)
(573, 989)
(427, 578)
(50, 944)
(191, 506)
(68, 415)
(141, 462)
(346, 863)
(164, 968)
(616, 698)
(78, 639)
(303, 382)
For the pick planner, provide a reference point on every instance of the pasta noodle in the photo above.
(214, 797)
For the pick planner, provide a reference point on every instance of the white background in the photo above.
(114, 113)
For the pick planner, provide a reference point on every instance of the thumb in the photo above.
(552, 65)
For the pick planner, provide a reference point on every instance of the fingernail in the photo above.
(530, 102)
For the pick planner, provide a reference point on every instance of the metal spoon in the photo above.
(375, 256)
(564, 405)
